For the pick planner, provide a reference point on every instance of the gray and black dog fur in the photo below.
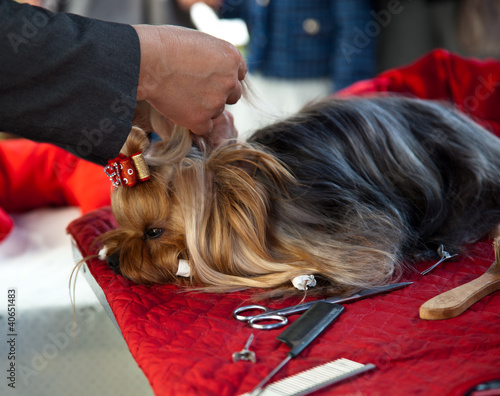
(380, 182)
(429, 172)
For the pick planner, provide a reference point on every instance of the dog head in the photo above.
(207, 208)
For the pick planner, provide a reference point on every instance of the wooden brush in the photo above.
(455, 301)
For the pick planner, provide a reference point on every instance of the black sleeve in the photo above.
(67, 80)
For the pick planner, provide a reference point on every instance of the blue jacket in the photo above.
(309, 38)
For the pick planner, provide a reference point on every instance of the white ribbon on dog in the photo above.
(184, 269)
(103, 254)
(304, 282)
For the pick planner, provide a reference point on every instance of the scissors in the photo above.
(280, 315)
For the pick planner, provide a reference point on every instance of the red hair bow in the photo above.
(127, 171)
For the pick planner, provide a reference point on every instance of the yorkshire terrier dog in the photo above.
(350, 191)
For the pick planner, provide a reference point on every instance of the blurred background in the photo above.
(297, 51)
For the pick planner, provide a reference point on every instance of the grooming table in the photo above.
(183, 341)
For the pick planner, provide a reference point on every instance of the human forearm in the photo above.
(67, 80)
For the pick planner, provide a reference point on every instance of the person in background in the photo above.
(300, 51)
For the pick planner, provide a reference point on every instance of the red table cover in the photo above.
(183, 341)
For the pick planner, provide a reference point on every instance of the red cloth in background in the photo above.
(472, 85)
(184, 341)
(35, 175)
(6, 224)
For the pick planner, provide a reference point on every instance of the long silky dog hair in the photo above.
(347, 190)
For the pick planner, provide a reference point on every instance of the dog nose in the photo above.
(114, 262)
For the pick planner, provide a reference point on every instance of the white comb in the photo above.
(314, 379)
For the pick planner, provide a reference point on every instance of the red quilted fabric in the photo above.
(184, 341)
(35, 175)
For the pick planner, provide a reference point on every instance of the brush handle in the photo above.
(455, 301)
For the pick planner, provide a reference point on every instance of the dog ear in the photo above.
(254, 165)
(226, 204)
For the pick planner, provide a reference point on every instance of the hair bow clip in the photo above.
(127, 171)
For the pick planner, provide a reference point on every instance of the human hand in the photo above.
(149, 119)
(224, 131)
(188, 76)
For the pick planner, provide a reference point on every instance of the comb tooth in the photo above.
(316, 378)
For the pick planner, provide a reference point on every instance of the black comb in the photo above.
(302, 332)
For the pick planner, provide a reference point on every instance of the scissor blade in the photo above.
(368, 293)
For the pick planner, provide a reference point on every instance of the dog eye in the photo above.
(152, 233)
